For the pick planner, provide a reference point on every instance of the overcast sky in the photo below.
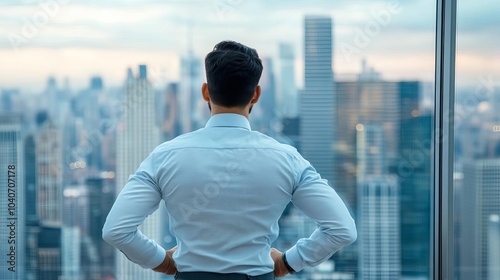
(78, 38)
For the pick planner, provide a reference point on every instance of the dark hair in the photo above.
(233, 72)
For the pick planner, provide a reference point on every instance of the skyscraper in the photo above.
(317, 106)
(480, 200)
(263, 112)
(494, 248)
(49, 178)
(49, 172)
(413, 168)
(12, 198)
(378, 207)
(101, 199)
(193, 110)
(379, 228)
(32, 221)
(286, 97)
(137, 136)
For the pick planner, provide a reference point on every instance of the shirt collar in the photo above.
(228, 120)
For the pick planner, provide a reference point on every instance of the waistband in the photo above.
(221, 276)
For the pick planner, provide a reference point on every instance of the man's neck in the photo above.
(233, 110)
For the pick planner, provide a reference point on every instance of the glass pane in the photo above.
(100, 83)
(477, 142)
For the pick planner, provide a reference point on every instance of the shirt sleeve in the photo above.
(139, 198)
(320, 202)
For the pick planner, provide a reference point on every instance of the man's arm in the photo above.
(320, 202)
(139, 198)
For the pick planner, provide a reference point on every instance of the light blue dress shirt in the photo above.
(225, 187)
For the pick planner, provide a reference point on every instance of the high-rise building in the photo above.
(12, 198)
(100, 199)
(367, 101)
(378, 226)
(480, 197)
(137, 136)
(287, 98)
(170, 117)
(49, 172)
(193, 109)
(49, 254)
(378, 207)
(49, 169)
(317, 106)
(494, 248)
(32, 221)
(413, 168)
(263, 113)
(74, 229)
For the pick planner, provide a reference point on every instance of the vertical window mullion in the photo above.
(442, 258)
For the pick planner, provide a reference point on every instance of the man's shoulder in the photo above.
(178, 142)
(267, 142)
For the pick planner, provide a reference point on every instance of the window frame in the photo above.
(443, 222)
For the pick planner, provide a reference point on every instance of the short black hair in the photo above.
(233, 73)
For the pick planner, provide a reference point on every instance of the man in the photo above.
(225, 187)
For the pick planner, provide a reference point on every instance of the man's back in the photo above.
(225, 188)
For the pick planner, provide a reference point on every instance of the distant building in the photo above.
(317, 105)
(137, 136)
(32, 221)
(170, 122)
(378, 226)
(264, 112)
(49, 253)
(494, 248)
(193, 111)
(287, 98)
(413, 168)
(12, 197)
(100, 198)
(479, 201)
(49, 164)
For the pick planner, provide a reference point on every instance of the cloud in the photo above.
(174, 26)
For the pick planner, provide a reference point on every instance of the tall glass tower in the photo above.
(137, 136)
(12, 198)
(317, 106)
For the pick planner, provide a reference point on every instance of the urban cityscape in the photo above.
(68, 152)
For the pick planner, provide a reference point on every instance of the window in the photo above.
(93, 87)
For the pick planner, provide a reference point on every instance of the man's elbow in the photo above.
(108, 235)
(345, 235)
(351, 234)
(111, 236)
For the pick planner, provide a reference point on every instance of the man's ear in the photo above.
(204, 92)
(256, 95)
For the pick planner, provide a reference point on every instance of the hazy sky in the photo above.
(78, 38)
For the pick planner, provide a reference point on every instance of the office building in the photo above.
(480, 197)
(137, 136)
(287, 94)
(193, 110)
(317, 105)
(100, 199)
(494, 248)
(378, 226)
(264, 112)
(12, 198)
(49, 164)
(413, 168)
(32, 221)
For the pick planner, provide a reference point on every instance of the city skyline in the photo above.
(366, 125)
(87, 34)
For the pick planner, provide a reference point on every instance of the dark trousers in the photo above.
(221, 276)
